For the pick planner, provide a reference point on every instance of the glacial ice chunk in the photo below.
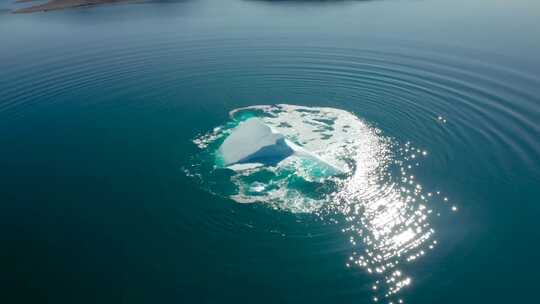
(254, 142)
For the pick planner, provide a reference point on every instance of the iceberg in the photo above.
(253, 143)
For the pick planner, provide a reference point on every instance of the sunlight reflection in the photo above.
(388, 217)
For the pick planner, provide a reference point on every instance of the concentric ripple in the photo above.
(458, 107)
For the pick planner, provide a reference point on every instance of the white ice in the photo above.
(254, 142)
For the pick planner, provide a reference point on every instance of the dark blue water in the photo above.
(99, 107)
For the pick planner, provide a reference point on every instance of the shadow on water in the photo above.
(309, 3)
(315, 2)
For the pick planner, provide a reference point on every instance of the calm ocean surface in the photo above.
(99, 108)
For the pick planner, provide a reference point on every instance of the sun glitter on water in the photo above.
(384, 211)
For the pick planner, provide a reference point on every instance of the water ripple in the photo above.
(450, 97)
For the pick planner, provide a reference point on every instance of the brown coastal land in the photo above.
(61, 4)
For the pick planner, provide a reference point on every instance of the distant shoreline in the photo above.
(61, 4)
